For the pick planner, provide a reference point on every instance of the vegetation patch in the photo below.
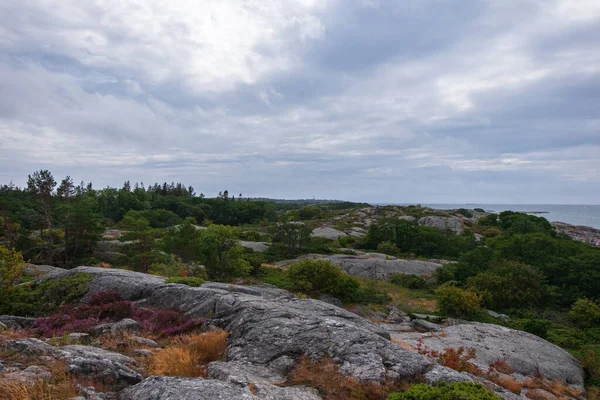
(445, 391)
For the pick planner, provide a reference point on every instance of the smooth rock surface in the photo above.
(174, 388)
(130, 285)
(453, 224)
(14, 322)
(258, 247)
(123, 325)
(373, 265)
(82, 360)
(327, 233)
(525, 353)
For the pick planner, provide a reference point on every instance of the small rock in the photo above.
(126, 324)
(496, 315)
(258, 247)
(425, 326)
(80, 337)
(440, 373)
(331, 300)
(3, 327)
(145, 341)
(142, 352)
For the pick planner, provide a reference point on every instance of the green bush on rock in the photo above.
(444, 391)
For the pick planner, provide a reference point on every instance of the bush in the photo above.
(33, 299)
(221, 252)
(317, 277)
(465, 212)
(11, 268)
(310, 212)
(537, 327)
(445, 391)
(457, 302)
(186, 280)
(388, 247)
(409, 281)
(585, 313)
(276, 277)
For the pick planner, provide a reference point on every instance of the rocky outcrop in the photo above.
(40, 270)
(269, 327)
(170, 388)
(130, 285)
(374, 265)
(124, 325)
(327, 233)
(258, 247)
(527, 354)
(453, 224)
(580, 233)
(82, 360)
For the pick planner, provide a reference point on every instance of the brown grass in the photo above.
(324, 375)
(593, 393)
(62, 386)
(188, 355)
(507, 382)
(404, 345)
(556, 387)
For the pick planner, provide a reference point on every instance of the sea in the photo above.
(587, 215)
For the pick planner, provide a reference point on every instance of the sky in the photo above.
(429, 101)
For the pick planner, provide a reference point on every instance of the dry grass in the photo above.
(62, 386)
(507, 382)
(593, 394)
(556, 387)
(404, 345)
(189, 354)
(324, 375)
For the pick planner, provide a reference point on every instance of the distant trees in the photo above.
(41, 185)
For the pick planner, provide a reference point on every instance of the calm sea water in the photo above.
(571, 214)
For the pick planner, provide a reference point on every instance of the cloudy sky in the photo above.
(375, 100)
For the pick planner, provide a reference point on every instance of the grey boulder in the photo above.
(123, 325)
(327, 233)
(258, 247)
(527, 354)
(453, 224)
(174, 388)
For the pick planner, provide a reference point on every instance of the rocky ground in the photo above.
(269, 331)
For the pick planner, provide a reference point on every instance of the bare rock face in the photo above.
(258, 247)
(527, 354)
(328, 233)
(130, 285)
(268, 326)
(453, 224)
(374, 265)
(82, 360)
(124, 325)
(170, 388)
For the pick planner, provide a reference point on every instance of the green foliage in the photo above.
(388, 247)
(445, 391)
(291, 239)
(590, 361)
(409, 281)
(182, 239)
(465, 212)
(186, 280)
(420, 240)
(509, 283)
(515, 222)
(489, 220)
(310, 212)
(317, 277)
(11, 268)
(142, 249)
(156, 218)
(537, 327)
(276, 277)
(585, 313)
(457, 302)
(33, 299)
(221, 253)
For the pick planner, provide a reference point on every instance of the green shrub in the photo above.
(388, 247)
(590, 361)
(445, 391)
(567, 338)
(537, 327)
(317, 277)
(310, 212)
(11, 268)
(465, 212)
(408, 281)
(186, 280)
(457, 302)
(275, 276)
(585, 313)
(33, 299)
